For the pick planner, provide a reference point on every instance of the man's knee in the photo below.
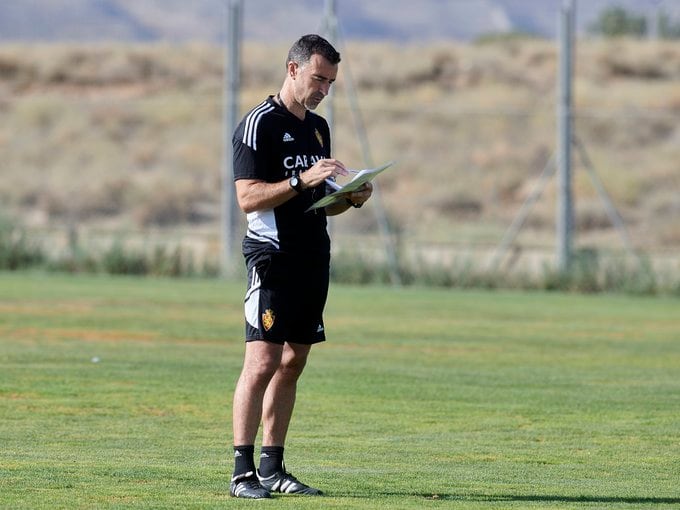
(293, 363)
(260, 373)
(261, 363)
(293, 368)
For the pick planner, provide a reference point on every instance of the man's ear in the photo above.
(292, 69)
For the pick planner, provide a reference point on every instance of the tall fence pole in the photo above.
(565, 207)
(330, 30)
(376, 197)
(653, 15)
(231, 110)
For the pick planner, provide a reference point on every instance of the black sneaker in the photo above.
(286, 483)
(247, 486)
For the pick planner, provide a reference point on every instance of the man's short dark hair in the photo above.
(312, 44)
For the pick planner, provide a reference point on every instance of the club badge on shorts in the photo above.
(268, 319)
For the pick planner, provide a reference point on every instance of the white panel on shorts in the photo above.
(252, 301)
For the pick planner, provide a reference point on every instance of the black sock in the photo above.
(271, 460)
(244, 459)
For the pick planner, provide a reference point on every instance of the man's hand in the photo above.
(322, 170)
(357, 197)
(360, 196)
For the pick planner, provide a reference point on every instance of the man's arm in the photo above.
(256, 194)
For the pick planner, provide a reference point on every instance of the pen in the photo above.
(331, 182)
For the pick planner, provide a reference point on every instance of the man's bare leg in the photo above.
(279, 398)
(259, 366)
(262, 359)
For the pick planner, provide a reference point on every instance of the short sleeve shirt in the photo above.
(271, 144)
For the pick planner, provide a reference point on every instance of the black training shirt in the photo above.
(271, 144)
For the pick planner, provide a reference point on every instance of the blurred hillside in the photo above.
(274, 20)
(127, 138)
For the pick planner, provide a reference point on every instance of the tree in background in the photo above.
(617, 22)
(668, 28)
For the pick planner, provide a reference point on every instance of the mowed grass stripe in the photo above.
(421, 398)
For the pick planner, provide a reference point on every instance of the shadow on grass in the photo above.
(537, 498)
(550, 498)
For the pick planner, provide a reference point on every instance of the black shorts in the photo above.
(286, 297)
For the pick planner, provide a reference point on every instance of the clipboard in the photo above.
(361, 177)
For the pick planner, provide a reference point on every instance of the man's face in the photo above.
(313, 81)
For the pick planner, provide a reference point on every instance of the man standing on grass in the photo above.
(282, 158)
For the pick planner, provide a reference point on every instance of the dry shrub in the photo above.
(94, 198)
(10, 67)
(670, 101)
(16, 71)
(669, 234)
(630, 131)
(539, 220)
(164, 203)
(54, 203)
(626, 59)
(118, 121)
(40, 113)
(104, 198)
(591, 216)
(263, 64)
(394, 68)
(145, 153)
(78, 66)
(668, 204)
(458, 206)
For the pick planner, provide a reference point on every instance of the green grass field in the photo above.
(420, 398)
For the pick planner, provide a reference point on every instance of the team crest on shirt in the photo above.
(319, 137)
(268, 319)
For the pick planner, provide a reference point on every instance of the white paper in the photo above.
(357, 182)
